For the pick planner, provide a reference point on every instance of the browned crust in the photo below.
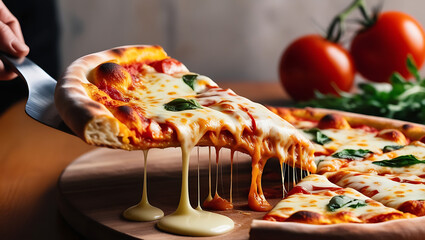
(74, 105)
(80, 112)
(411, 229)
(411, 130)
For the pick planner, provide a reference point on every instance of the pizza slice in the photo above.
(406, 196)
(345, 141)
(137, 97)
(315, 200)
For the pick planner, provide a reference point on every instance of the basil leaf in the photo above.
(180, 104)
(341, 201)
(390, 148)
(189, 79)
(318, 136)
(352, 154)
(401, 161)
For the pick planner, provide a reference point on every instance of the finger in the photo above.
(10, 43)
(5, 73)
(9, 19)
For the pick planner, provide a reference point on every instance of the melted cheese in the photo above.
(143, 211)
(222, 110)
(355, 139)
(194, 222)
(349, 139)
(388, 192)
(418, 150)
(318, 200)
(224, 120)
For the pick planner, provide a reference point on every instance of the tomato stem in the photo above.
(337, 23)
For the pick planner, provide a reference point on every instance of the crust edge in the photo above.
(395, 229)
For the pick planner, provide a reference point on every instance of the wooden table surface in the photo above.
(32, 157)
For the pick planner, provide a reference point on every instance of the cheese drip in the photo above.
(217, 202)
(143, 211)
(193, 222)
(226, 120)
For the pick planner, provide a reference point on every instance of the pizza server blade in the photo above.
(41, 91)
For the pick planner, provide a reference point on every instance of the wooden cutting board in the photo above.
(97, 187)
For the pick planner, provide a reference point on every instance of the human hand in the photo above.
(11, 40)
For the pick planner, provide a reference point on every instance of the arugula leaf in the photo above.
(399, 99)
(318, 136)
(180, 104)
(352, 154)
(390, 148)
(401, 161)
(189, 79)
(341, 201)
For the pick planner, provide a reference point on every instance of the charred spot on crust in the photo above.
(110, 70)
(127, 114)
(110, 74)
(333, 121)
(118, 51)
(126, 110)
(407, 126)
(305, 217)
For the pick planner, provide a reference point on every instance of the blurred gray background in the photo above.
(228, 40)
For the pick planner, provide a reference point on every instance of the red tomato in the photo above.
(313, 63)
(383, 48)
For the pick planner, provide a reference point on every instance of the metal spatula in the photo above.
(41, 87)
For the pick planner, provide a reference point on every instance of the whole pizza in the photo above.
(362, 176)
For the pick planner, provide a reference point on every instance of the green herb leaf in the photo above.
(341, 201)
(180, 104)
(318, 136)
(352, 154)
(401, 161)
(390, 148)
(189, 79)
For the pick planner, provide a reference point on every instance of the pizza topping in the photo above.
(168, 66)
(189, 79)
(390, 148)
(400, 161)
(298, 189)
(318, 136)
(180, 104)
(352, 154)
(341, 201)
